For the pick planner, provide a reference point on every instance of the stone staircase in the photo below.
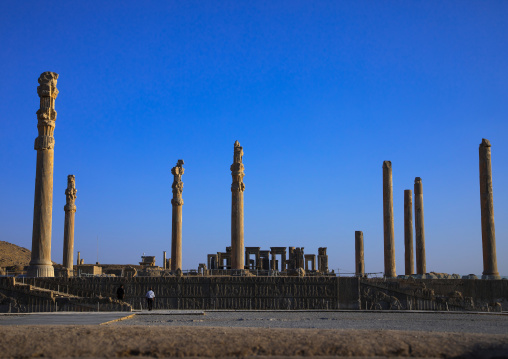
(27, 297)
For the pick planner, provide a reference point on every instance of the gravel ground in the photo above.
(258, 335)
(404, 321)
(99, 341)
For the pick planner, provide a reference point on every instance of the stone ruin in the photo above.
(237, 257)
(276, 260)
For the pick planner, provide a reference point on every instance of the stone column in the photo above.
(70, 210)
(237, 188)
(421, 267)
(176, 227)
(408, 233)
(389, 235)
(79, 259)
(40, 263)
(487, 210)
(359, 261)
(164, 260)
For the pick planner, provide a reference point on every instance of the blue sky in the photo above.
(319, 94)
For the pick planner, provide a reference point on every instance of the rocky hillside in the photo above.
(13, 255)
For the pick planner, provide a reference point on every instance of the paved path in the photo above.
(64, 318)
(489, 323)
(414, 321)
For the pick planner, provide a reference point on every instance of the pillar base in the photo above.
(491, 276)
(40, 270)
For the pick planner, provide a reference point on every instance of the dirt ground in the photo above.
(148, 341)
(13, 255)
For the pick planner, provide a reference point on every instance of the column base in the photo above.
(491, 276)
(40, 270)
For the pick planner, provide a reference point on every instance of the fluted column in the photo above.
(487, 210)
(70, 210)
(176, 227)
(421, 267)
(40, 263)
(389, 235)
(359, 261)
(237, 188)
(408, 233)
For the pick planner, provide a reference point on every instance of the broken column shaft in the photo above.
(237, 188)
(176, 223)
(70, 210)
(487, 210)
(408, 233)
(40, 263)
(359, 261)
(389, 236)
(421, 267)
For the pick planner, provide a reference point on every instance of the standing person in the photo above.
(120, 292)
(150, 295)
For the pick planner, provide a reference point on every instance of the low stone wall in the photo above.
(288, 293)
(216, 292)
(434, 294)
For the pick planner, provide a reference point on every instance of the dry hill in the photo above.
(13, 255)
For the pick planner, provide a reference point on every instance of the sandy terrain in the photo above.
(13, 255)
(148, 341)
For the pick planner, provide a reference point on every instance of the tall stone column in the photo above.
(40, 263)
(487, 208)
(389, 235)
(237, 188)
(176, 227)
(408, 233)
(164, 260)
(421, 267)
(70, 210)
(359, 262)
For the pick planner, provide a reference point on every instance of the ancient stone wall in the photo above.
(287, 293)
(221, 292)
(434, 294)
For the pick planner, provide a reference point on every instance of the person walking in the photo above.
(120, 292)
(150, 295)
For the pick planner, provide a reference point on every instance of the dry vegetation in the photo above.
(128, 341)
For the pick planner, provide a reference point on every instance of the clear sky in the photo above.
(319, 94)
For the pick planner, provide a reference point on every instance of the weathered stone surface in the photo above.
(322, 260)
(487, 210)
(359, 260)
(237, 188)
(421, 266)
(389, 234)
(176, 227)
(408, 232)
(70, 210)
(40, 264)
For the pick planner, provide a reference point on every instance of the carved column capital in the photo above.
(46, 114)
(47, 85)
(237, 169)
(70, 194)
(177, 186)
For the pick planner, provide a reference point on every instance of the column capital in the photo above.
(46, 114)
(70, 194)
(47, 85)
(237, 169)
(177, 185)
